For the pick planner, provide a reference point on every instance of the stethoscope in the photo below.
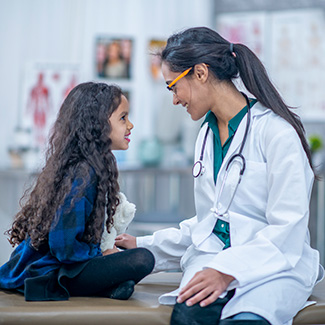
(199, 169)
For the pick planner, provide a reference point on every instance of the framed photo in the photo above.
(113, 58)
(155, 46)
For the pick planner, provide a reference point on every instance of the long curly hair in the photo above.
(79, 141)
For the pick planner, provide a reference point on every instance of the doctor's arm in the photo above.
(167, 245)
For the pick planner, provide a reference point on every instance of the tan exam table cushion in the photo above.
(141, 308)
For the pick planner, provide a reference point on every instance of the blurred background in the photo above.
(47, 47)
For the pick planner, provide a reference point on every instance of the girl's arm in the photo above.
(126, 241)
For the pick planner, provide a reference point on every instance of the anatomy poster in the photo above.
(297, 59)
(44, 88)
(291, 45)
(246, 28)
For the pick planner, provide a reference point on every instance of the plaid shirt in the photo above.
(65, 245)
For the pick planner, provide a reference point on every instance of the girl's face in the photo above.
(189, 91)
(121, 126)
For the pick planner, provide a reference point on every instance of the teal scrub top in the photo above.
(221, 228)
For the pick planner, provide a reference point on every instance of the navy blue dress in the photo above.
(40, 274)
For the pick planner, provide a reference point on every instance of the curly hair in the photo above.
(79, 141)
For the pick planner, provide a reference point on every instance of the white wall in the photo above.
(64, 31)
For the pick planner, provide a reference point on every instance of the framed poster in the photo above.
(45, 86)
(247, 28)
(297, 60)
(290, 44)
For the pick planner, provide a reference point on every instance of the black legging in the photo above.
(103, 274)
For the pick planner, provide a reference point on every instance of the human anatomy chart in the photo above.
(291, 44)
(44, 88)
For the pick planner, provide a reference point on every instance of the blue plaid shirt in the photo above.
(65, 245)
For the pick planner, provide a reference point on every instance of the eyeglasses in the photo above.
(172, 84)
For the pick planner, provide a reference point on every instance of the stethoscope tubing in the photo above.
(199, 163)
(198, 168)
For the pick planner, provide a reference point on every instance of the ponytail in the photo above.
(256, 80)
(226, 62)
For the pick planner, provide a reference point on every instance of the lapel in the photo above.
(256, 110)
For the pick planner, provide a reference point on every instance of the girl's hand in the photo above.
(111, 251)
(205, 287)
(125, 241)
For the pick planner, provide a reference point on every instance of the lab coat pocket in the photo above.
(251, 196)
(307, 270)
(243, 228)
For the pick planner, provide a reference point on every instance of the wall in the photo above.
(291, 44)
(268, 5)
(64, 31)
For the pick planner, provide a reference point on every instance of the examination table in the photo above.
(141, 308)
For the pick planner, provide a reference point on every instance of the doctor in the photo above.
(253, 181)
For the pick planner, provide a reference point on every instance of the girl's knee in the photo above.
(144, 258)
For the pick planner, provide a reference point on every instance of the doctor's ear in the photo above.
(201, 71)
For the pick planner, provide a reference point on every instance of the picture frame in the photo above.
(113, 57)
(155, 46)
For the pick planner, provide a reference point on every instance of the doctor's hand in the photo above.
(126, 241)
(205, 287)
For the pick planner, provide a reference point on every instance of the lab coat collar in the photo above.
(257, 110)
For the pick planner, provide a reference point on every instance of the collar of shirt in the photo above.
(220, 151)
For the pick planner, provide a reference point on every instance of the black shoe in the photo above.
(123, 291)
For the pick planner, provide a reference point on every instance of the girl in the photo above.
(253, 180)
(59, 229)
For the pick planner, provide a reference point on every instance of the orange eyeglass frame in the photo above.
(183, 74)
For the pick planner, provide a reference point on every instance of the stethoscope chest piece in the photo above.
(198, 169)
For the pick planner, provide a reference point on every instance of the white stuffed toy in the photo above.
(123, 216)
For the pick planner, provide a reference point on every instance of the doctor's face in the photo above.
(187, 91)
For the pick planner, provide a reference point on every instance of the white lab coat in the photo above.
(270, 256)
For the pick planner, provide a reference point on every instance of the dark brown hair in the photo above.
(228, 61)
(79, 142)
